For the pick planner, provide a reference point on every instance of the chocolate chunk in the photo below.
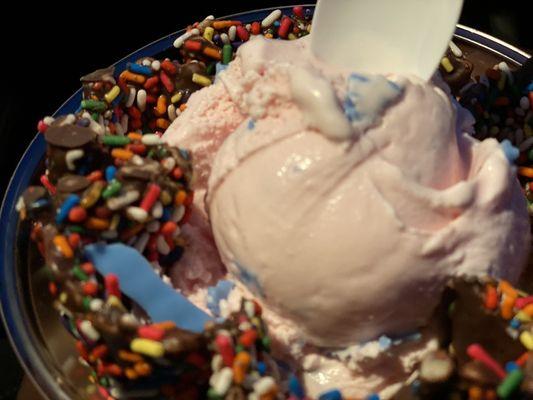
(69, 136)
(72, 183)
(104, 74)
(235, 393)
(32, 194)
(179, 341)
(146, 172)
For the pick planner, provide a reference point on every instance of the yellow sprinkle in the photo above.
(522, 316)
(148, 347)
(63, 297)
(176, 97)
(114, 222)
(446, 64)
(269, 36)
(527, 340)
(292, 36)
(112, 94)
(114, 301)
(201, 79)
(208, 33)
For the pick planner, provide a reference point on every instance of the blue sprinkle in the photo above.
(110, 173)
(358, 77)
(515, 323)
(71, 201)
(219, 67)
(415, 386)
(251, 124)
(384, 342)
(217, 293)
(118, 99)
(530, 87)
(261, 368)
(250, 280)
(334, 394)
(140, 69)
(83, 170)
(167, 214)
(374, 396)
(83, 122)
(295, 387)
(277, 23)
(39, 204)
(511, 152)
(184, 153)
(511, 366)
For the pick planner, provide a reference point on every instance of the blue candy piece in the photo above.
(110, 173)
(515, 323)
(295, 387)
(333, 394)
(511, 366)
(139, 282)
(70, 202)
(511, 152)
(374, 396)
(261, 368)
(384, 342)
(216, 293)
(140, 69)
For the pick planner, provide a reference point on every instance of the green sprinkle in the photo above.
(266, 342)
(93, 105)
(227, 54)
(511, 382)
(104, 381)
(76, 229)
(116, 140)
(239, 348)
(78, 273)
(213, 395)
(211, 69)
(111, 189)
(87, 303)
(95, 116)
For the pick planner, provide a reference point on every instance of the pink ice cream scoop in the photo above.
(344, 201)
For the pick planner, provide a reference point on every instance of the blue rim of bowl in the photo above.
(13, 309)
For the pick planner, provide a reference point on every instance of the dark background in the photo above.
(46, 48)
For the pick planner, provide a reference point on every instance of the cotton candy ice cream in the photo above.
(344, 202)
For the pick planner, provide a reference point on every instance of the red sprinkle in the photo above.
(77, 214)
(521, 361)
(151, 82)
(90, 288)
(491, 297)
(88, 268)
(52, 288)
(521, 302)
(256, 28)
(167, 83)
(225, 348)
(41, 126)
(248, 338)
(46, 183)
(192, 45)
(169, 228)
(284, 28)
(169, 67)
(151, 332)
(74, 239)
(112, 285)
(477, 352)
(134, 112)
(99, 352)
(298, 11)
(177, 173)
(82, 350)
(150, 197)
(95, 176)
(242, 33)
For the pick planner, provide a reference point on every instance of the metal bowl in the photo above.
(43, 346)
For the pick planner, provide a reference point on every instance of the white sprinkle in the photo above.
(271, 18)
(72, 156)
(216, 362)
(180, 40)
(156, 65)
(136, 214)
(146, 62)
(221, 381)
(524, 103)
(142, 242)
(225, 38)
(48, 120)
(249, 308)
(157, 210)
(141, 100)
(171, 111)
(178, 214)
(153, 226)
(455, 49)
(264, 385)
(124, 122)
(151, 139)
(131, 96)
(69, 119)
(96, 305)
(248, 27)
(232, 32)
(116, 203)
(118, 129)
(20, 204)
(168, 163)
(162, 245)
(87, 330)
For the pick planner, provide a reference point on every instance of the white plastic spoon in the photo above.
(384, 36)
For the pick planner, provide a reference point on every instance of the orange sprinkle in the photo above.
(180, 197)
(491, 297)
(114, 369)
(528, 310)
(490, 394)
(131, 77)
(525, 171)
(212, 53)
(143, 368)
(161, 107)
(240, 367)
(98, 224)
(507, 307)
(475, 393)
(165, 325)
(62, 244)
(162, 123)
(521, 361)
(121, 154)
(183, 107)
(129, 356)
(131, 374)
(135, 136)
(224, 24)
(131, 232)
(508, 289)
